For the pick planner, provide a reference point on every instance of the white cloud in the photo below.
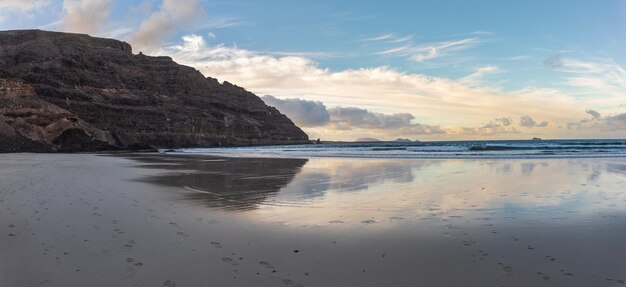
(163, 22)
(23, 5)
(448, 103)
(85, 16)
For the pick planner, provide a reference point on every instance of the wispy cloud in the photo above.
(312, 55)
(424, 52)
(388, 38)
(350, 16)
(517, 58)
(595, 76)
(381, 37)
(476, 77)
(215, 22)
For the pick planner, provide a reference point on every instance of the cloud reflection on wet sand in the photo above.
(538, 221)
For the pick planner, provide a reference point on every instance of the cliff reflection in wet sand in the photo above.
(229, 183)
(407, 222)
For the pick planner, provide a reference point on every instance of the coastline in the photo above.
(154, 219)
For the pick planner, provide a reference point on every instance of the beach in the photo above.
(198, 220)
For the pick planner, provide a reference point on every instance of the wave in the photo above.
(450, 149)
(558, 147)
(388, 148)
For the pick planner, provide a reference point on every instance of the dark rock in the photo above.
(72, 92)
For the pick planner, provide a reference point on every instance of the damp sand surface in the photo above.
(180, 220)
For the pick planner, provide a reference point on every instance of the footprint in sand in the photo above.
(506, 268)
(266, 265)
(216, 244)
(130, 243)
(169, 283)
(543, 276)
(291, 283)
(468, 242)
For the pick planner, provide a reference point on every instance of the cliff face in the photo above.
(72, 92)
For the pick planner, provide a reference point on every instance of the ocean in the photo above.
(434, 149)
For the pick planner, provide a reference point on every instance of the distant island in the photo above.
(367, 140)
(72, 92)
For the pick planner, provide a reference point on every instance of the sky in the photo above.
(422, 70)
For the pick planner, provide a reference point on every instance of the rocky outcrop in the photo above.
(73, 92)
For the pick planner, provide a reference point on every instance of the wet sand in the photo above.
(171, 220)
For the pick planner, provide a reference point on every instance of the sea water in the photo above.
(434, 149)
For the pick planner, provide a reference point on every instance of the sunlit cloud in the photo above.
(164, 22)
(85, 16)
(504, 121)
(450, 104)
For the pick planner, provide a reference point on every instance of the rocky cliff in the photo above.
(73, 92)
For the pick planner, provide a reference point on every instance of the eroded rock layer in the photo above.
(73, 92)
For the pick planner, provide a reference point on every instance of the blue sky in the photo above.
(417, 69)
